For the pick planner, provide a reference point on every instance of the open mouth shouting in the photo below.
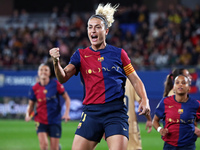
(94, 38)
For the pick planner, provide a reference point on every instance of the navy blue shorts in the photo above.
(191, 146)
(53, 130)
(109, 118)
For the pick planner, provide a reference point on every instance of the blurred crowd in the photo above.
(171, 39)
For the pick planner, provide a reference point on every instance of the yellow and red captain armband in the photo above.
(32, 114)
(129, 69)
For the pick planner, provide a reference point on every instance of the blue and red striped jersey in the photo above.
(48, 109)
(103, 73)
(179, 119)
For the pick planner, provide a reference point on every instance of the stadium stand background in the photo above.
(157, 36)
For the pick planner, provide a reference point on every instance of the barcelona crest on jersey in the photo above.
(180, 111)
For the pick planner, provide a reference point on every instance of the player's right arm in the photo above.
(197, 131)
(156, 125)
(29, 111)
(62, 74)
(138, 85)
(67, 103)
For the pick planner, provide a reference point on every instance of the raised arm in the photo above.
(62, 74)
(144, 107)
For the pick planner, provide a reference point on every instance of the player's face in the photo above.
(44, 72)
(181, 85)
(97, 33)
(187, 74)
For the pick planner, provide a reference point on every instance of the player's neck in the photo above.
(181, 98)
(98, 47)
(44, 81)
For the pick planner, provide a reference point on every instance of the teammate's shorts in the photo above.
(110, 118)
(191, 146)
(53, 130)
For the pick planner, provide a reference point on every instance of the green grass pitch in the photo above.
(20, 135)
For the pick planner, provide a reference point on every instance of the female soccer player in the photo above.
(103, 69)
(170, 80)
(179, 113)
(45, 93)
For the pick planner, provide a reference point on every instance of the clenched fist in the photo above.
(55, 54)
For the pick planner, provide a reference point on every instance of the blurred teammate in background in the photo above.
(179, 113)
(168, 91)
(104, 69)
(131, 96)
(45, 95)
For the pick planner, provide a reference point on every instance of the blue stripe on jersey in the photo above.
(113, 72)
(187, 119)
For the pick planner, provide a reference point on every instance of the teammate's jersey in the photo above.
(48, 110)
(103, 73)
(179, 120)
(134, 132)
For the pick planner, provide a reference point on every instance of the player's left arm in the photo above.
(138, 85)
(67, 103)
(148, 123)
(148, 117)
(144, 107)
(30, 111)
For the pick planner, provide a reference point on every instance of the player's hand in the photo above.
(197, 131)
(144, 107)
(66, 117)
(29, 117)
(55, 54)
(163, 131)
(149, 126)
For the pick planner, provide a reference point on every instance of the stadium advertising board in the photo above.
(14, 87)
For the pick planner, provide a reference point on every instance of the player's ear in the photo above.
(107, 30)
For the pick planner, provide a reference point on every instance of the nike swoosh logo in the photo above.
(171, 106)
(86, 56)
(124, 129)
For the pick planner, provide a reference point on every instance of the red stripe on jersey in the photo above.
(171, 106)
(91, 70)
(128, 68)
(40, 93)
(60, 88)
(125, 59)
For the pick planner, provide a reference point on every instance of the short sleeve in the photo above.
(75, 60)
(128, 68)
(160, 109)
(31, 95)
(60, 88)
(125, 59)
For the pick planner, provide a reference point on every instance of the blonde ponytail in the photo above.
(106, 13)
